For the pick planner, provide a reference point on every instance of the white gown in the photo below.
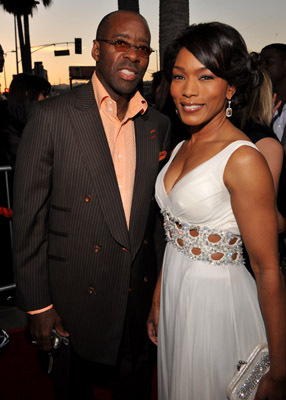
(209, 314)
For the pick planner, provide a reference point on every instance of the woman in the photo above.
(23, 91)
(210, 315)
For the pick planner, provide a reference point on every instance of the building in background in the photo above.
(39, 70)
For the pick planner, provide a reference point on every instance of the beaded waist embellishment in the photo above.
(201, 243)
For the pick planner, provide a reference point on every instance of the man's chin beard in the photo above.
(129, 94)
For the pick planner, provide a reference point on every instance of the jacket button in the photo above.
(145, 279)
(91, 290)
(145, 241)
(87, 198)
(96, 248)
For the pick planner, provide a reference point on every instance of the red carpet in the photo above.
(21, 377)
(20, 374)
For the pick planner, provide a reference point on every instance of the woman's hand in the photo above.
(271, 390)
(152, 322)
(153, 318)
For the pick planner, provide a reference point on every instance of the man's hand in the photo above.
(41, 325)
(275, 106)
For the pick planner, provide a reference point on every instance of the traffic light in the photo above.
(62, 52)
(77, 45)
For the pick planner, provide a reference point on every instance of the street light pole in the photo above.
(16, 45)
(5, 76)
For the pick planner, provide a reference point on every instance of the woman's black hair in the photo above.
(221, 49)
(24, 89)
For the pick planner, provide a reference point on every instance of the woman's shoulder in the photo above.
(245, 165)
(245, 156)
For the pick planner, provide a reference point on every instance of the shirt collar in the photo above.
(137, 103)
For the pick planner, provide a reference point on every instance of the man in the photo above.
(84, 213)
(273, 58)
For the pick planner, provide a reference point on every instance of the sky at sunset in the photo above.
(260, 23)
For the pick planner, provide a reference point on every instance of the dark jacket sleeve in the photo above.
(32, 187)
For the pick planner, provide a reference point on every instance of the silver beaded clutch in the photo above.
(245, 382)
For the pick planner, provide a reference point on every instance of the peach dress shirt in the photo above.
(121, 140)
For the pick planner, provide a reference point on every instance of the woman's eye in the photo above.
(177, 77)
(206, 77)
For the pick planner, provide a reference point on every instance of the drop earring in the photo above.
(228, 111)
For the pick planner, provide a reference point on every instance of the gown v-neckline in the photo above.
(193, 169)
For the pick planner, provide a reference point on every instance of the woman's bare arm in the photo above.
(253, 200)
(272, 151)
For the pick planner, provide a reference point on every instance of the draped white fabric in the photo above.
(209, 315)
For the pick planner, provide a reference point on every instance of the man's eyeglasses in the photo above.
(122, 46)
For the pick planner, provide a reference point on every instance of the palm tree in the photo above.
(130, 5)
(173, 18)
(21, 9)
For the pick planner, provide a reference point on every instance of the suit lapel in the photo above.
(146, 170)
(94, 146)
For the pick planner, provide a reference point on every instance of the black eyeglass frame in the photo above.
(114, 42)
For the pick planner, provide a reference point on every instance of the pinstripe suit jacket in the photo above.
(72, 247)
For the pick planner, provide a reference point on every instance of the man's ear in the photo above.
(95, 52)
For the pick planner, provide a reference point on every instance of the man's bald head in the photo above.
(104, 24)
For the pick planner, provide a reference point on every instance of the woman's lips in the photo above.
(190, 108)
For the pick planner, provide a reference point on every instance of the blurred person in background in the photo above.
(3, 109)
(273, 59)
(24, 90)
